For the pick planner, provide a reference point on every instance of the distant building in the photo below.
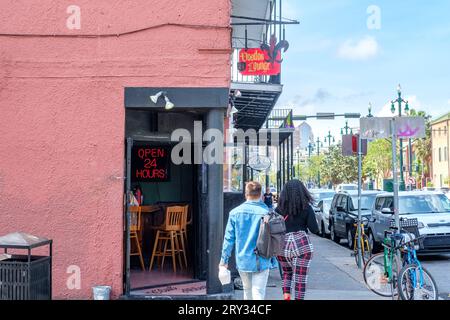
(440, 139)
(302, 136)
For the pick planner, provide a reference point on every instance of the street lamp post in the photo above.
(329, 138)
(399, 101)
(370, 111)
(346, 129)
(310, 148)
(319, 144)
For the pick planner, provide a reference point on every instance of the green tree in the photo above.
(337, 168)
(423, 147)
(377, 163)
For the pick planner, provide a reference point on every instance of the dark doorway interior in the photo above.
(148, 130)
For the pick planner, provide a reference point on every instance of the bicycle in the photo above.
(366, 250)
(414, 281)
(381, 270)
(410, 282)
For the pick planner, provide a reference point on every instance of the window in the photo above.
(233, 169)
(440, 155)
(389, 203)
(445, 154)
(379, 204)
(343, 203)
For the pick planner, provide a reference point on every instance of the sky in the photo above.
(347, 53)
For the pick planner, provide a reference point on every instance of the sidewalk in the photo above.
(333, 276)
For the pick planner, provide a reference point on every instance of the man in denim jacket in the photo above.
(241, 233)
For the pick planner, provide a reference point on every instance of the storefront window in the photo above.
(233, 169)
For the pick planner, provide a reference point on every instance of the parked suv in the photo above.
(344, 212)
(432, 210)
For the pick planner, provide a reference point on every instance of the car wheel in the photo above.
(333, 235)
(349, 238)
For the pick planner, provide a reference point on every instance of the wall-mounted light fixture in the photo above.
(169, 105)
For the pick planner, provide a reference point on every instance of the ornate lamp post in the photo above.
(329, 138)
(370, 111)
(399, 101)
(318, 145)
(309, 148)
(346, 129)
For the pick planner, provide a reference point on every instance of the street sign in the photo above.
(410, 127)
(325, 115)
(375, 128)
(379, 127)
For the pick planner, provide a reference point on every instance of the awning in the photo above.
(254, 104)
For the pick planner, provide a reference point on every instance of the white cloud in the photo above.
(363, 49)
(385, 111)
(448, 101)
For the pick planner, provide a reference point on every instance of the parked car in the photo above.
(432, 210)
(320, 195)
(323, 216)
(346, 187)
(344, 212)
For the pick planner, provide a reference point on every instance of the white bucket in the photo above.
(101, 292)
(224, 275)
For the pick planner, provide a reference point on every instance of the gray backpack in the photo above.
(271, 235)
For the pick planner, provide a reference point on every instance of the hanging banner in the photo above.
(256, 62)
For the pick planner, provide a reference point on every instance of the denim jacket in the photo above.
(241, 233)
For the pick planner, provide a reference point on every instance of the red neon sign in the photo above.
(256, 62)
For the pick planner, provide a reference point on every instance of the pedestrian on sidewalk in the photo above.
(268, 198)
(241, 234)
(295, 205)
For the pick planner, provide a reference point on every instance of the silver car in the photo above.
(320, 195)
(432, 210)
(323, 216)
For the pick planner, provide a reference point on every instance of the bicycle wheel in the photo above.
(377, 279)
(416, 283)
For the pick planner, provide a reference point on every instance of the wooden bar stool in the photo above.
(135, 230)
(182, 234)
(167, 234)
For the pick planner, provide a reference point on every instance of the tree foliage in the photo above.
(338, 168)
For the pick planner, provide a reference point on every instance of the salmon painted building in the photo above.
(77, 115)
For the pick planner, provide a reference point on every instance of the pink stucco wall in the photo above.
(62, 115)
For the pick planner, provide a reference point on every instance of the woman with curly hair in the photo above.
(295, 205)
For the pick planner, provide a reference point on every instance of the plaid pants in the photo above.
(295, 261)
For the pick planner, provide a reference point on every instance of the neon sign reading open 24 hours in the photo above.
(150, 164)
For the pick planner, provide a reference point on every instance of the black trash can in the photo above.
(25, 276)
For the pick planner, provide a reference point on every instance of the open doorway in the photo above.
(163, 238)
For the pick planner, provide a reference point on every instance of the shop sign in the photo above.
(265, 60)
(150, 164)
(255, 61)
